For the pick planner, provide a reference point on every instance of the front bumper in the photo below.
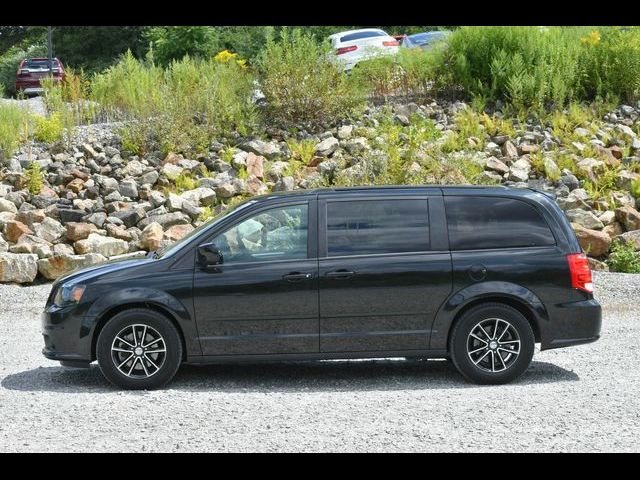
(571, 324)
(67, 335)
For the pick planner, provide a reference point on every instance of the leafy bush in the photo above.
(302, 82)
(14, 128)
(48, 130)
(303, 150)
(35, 178)
(624, 258)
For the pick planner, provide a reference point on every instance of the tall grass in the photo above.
(14, 128)
(539, 68)
(180, 108)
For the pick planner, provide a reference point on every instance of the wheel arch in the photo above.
(515, 296)
(517, 304)
(116, 309)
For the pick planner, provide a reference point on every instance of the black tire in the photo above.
(149, 378)
(512, 367)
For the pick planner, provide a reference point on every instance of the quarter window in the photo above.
(377, 226)
(494, 222)
(274, 234)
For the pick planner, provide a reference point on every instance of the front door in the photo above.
(263, 298)
(384, 272)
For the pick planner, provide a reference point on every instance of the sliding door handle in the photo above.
(296, 277)
(340, 274)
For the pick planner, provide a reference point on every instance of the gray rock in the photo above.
(105, 246)
(128, 188)
(166, 220)
(327, 146)
(285, 184)
(7, 206)
(584, 218)
(269, 150)
(356, 145)
(49, 230)
(18, 268)
(70, 215)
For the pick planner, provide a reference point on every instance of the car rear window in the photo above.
(494, 222)
(39, 64)
(360, 35)
(366, 227)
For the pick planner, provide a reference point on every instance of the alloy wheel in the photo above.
(138, 351)
(493, 345)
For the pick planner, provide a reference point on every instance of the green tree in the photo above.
(173, 43)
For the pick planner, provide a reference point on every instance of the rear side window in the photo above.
(360, 35)
(366, 227)
(494, 222)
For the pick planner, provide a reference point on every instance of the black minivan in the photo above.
(477, 275)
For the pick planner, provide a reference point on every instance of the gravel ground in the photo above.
(33, 105)
(583, 398)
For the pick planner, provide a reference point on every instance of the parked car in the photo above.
(353, 46)
(425, 40)
(474, 274)
(31, 72)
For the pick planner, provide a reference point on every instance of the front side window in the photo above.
(366, 227)
(494, 222)
(275, 234)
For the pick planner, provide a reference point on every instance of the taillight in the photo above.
(580, 272)
(344, 50)
(390, 43)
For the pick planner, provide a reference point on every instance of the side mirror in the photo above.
(209, 255)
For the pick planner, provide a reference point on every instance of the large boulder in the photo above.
(327, 146)
(18, 268)
(584, 218)
(166, 220)
(594, 242)
(151, 237)
(80, 230)
(105, 246)
(49, 230)
(57, 265)
(13, 230)
(255, 165)
(629, 217)
(269, 150)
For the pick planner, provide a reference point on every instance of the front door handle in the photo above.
(296, 277)
(340, 274)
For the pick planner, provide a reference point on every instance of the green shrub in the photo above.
(624, 258)
(181, 108)
(48, 130)
(635, 188)
(303, 83)
(14, 128)
(35, 178)
(303, 150)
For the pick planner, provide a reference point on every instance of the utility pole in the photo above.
(50, 50)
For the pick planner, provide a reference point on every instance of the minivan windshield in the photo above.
(177, 246)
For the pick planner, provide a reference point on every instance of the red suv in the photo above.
(33, 70)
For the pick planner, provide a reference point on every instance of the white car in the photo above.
(354, 46)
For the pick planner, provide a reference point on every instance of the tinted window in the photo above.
(483, 222)
(377, 226)
(39, 64)
(359, 35)
(274, 234)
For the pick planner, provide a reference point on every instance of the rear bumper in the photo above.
(571, 324)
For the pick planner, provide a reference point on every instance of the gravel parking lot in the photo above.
(576, 399)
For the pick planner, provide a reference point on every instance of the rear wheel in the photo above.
(492, 343)
(139, 349)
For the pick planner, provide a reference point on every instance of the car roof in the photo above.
(446, 190)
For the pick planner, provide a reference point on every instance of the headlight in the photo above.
(69, 294)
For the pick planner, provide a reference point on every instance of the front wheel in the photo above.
(139, 349)
(492, 343)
